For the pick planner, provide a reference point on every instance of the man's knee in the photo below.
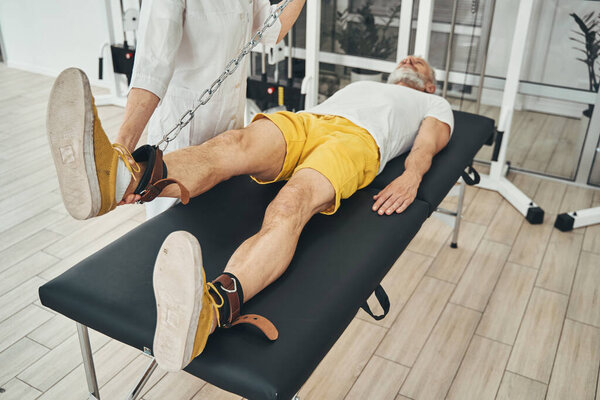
(233, 140)
(291, 207)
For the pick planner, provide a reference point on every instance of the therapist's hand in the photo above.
(398, 195)
(130, 199)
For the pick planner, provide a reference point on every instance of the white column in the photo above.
(511, 87)
(424, 28)
(404, 29)
(313, 45)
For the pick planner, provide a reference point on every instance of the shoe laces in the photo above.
(213, 301)
(127, 158)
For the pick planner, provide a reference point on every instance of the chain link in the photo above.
(230, 69)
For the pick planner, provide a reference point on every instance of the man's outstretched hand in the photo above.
(398, 195)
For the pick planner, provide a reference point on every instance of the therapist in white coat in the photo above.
(183, 46)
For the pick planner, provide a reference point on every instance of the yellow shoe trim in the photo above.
(210, 310)
(106, 156)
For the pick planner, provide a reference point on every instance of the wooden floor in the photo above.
(513, 313)
(541, 143)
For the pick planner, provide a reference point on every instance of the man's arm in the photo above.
(433, 136)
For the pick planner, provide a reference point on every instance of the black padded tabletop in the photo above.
(340, 260)
(471, 132)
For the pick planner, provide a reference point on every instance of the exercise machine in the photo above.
(122, 55)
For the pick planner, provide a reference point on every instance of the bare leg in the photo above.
(264, 257)
(257, 150)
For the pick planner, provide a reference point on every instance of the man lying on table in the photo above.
(325, 153)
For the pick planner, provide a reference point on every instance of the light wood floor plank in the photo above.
(560, 261)
(20, 324)
(432, 374)
(591, 242)
(585, 299)
(575, 369)
(406, 337)
(353, 351)
(24, 229)
(550, 195)
(54, 332)
(481, 371)
(483, 208)
(17, 357)
(479, 279)
(505, 225)
(24, 270)
(530, 245)
(450, 263)
(121, 385)
(380, 380)
(58, 362)
(431, 237)
(535, 348)
(210, 392)
(109, 361)
(26, 248)
(506, 307)
(528, 184)
(576, 198)
(179, 385)
(516, 387)
(17, 390)
(399, 284)
(19, 297)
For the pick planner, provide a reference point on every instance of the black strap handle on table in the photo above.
(384, 301)
(466, 175)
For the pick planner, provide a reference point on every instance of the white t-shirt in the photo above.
(391, 113)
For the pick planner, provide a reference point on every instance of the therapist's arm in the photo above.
(433, 136)
(289, 16)
(141, 104)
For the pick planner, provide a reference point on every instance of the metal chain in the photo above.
(230, 68)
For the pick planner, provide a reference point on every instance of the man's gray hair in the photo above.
(431, 76)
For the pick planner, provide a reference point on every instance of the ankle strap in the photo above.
(154, 179)
(229, 286)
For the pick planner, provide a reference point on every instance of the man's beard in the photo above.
(408, 77)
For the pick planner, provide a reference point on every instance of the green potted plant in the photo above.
(588, 42)
(358, 34)
(590, 39)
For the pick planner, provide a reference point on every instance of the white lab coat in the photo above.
(183, 47)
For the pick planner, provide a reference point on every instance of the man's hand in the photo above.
(398, 195)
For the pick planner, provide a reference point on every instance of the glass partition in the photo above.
(558, 86)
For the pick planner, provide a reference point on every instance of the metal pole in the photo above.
(449, 50)
(511, 88)
(457, 220)
(404, 30)
(485, 54)
(263, 62)
(88, 360)
(137, 390)
(290, 72)
(424, 28)
(313, 35)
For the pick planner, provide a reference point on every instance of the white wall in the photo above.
(47, 36)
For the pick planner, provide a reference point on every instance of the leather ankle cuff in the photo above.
(229, 286)
(154, 179)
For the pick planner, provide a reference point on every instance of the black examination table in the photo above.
(339, 262)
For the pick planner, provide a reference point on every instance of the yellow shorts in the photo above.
(344, 153)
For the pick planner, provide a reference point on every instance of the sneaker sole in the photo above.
(178, 288)
(70, 127)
